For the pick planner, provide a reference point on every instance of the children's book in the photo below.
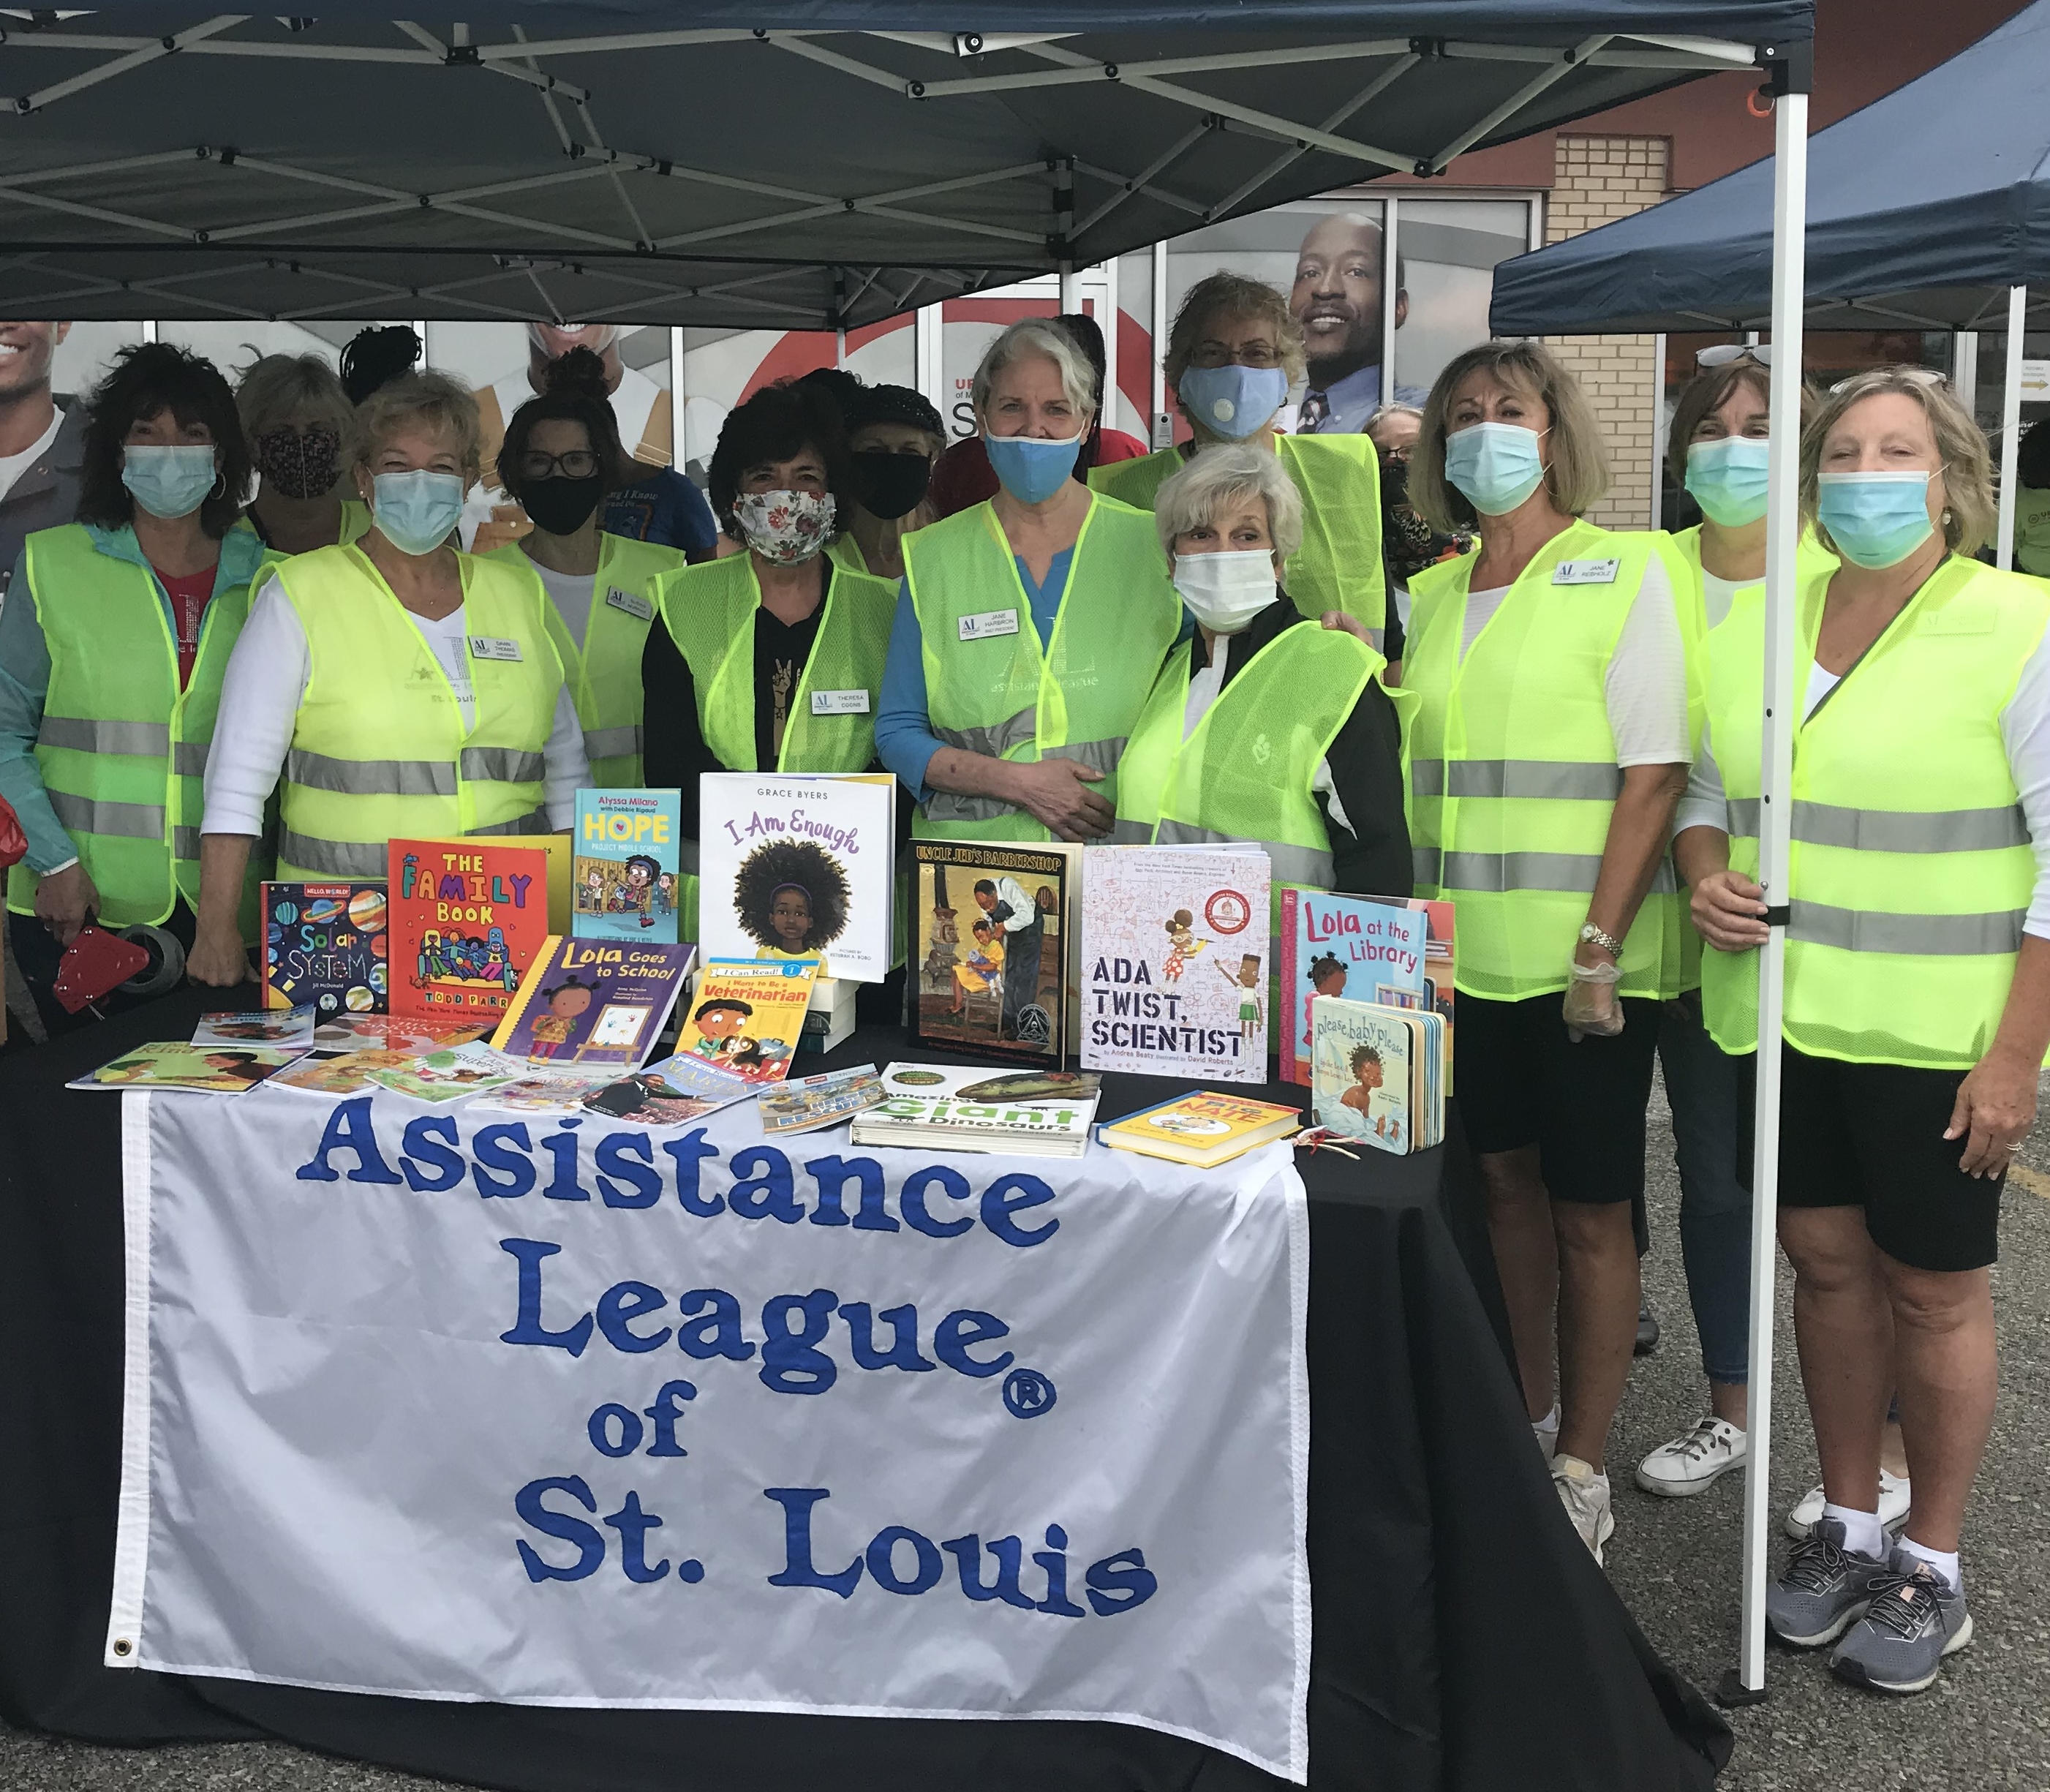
(1357, 947)
(468, 917)
(328, 944)
(673, 1093)
(1201, 1129)
(807, 1104)
(447, 1076)
(1377, 1073)
(176, 1063)
(992, 947)
(268, 1026)
(945, 1107)
(1175, 962)
(798, 867)
(595, 1002)
(1443, 967)
(623, 879)
(399, 1033)
(548, 1092)
(340, 1072)
(746, 1014)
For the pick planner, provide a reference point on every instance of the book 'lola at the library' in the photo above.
(595, 1003)
(746, 1015)
(468, 917)
(1364, 949)
(623, 879)
(328, 944)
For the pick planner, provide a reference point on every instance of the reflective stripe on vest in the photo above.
(1078, 697)
(374, 687)
(1910, 869)
(603, 670)
(1511, 763)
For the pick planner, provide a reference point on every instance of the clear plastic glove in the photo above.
(1591, 1004)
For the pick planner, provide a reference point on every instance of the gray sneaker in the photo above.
(1916, 1619)
(1825, 1589)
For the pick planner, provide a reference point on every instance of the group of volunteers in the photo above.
(1401, 660)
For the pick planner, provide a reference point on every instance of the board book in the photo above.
(623, 878)
(328, 944)
(980, 982)
(1203, 1129)
(1378, 1074)
(746, 1015)
(595, 1004)
(1175, 957)
(468, 917)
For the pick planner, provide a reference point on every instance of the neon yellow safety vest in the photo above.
(1338, 565)
(1246, 772)
(604, 673)
(1513, 775)
(1911, 870)
(990, 688)
(122, 750)
(379, 748)
(356, 521)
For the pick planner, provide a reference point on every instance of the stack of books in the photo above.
(829, 1020)
(942, 1107)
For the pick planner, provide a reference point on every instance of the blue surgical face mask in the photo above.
(172, 481)
(1496, 466)
(1030, 468)
(417, 509)
(1728, 478)
(1875, 519)
(1232, 402)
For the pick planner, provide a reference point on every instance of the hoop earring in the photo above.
(219, 486)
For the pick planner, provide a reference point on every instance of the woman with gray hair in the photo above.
(1916, 1004)
(301, 429)
(1264, 727)
(1030, 626)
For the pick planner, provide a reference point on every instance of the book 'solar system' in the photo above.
(328, 944)
(623, 877)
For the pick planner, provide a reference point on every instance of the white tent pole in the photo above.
(1783, 530)
(1157, 421)
(679, 429)
(2010, 426)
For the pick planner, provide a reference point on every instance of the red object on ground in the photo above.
(96, 963)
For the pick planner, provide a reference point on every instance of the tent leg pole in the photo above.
(2010, 427)
(1746, 1683)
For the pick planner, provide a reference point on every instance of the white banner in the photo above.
(459, 1405)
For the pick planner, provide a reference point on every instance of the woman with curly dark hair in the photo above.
(791, 896)
(111, 657)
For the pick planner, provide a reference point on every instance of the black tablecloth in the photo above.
(1464, 1638)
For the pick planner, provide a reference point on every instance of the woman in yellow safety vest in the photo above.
(1031, 625)
(1916, 1003)
(112, 649)
(301, 429)
(560, 457)
(1234, 351)
(770, 658)
(1548, 748)
(893, 439)
(390, 687)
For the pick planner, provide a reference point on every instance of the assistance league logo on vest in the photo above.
(677, 1418)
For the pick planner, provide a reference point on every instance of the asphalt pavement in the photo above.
(1984, 1728)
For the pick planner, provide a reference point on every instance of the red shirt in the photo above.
(190, 597)
(965, 477)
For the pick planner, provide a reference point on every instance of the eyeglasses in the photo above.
(1251, 354)
(579, 463)
(1926, 377)
(1723, 353)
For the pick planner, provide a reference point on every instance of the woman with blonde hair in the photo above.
(401, 688)
(1549, 745)
(301, 429)
(1916, 1007)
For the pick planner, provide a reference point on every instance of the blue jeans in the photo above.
(1701, 1085)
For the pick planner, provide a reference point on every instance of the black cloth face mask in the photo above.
(890, 485)
(561, 506)
(298, 466)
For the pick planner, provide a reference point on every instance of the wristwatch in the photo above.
(1592, 936)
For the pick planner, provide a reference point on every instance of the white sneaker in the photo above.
(1584, 1494)
(1894, 1501)
(1546, 1431)
(1693, 1464)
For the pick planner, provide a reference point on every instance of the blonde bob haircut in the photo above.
(1234, 295)
(438, 403)
(1223, 478)
(277, 390)
(1038, 336)
(1575, 466)
(1970, 514)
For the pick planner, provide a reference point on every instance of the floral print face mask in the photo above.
(787, 527)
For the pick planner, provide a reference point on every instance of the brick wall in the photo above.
(1596, 181)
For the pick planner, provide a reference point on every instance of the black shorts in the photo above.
(1871, 1135)
(1521, 1081)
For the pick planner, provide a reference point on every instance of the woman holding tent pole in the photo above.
(1917, 1002)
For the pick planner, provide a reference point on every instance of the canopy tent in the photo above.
(789, 166)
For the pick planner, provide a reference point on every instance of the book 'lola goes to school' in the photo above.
(624, 876)
(595, 1003)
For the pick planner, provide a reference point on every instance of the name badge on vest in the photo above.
(1586, 572)
(494, 647)
(988, 623)
(632, 604)
(840, 703)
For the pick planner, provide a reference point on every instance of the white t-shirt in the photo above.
(1646, 689)
(261, 689)
(13, 466)
(1718, 595)
(570, 592)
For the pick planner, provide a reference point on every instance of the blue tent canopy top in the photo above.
(1923, 209)
(788, 166)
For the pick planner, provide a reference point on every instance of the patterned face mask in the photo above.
(299, 466)
(787, 527)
